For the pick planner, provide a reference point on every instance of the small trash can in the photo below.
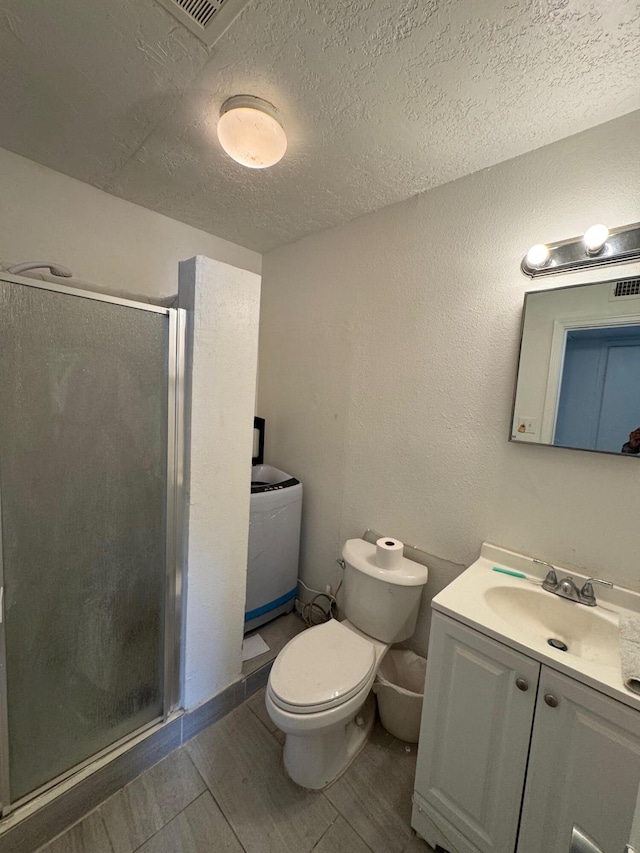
(399, 686)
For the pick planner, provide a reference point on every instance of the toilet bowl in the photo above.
(319, 689)
(316, 695)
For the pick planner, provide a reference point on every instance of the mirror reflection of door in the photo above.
(599, 401)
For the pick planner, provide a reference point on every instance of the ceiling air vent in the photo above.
(628, 288)
(207, 19)
(200, 10)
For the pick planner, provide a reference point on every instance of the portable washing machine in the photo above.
(274, 541)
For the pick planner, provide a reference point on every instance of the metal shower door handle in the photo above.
(582, 843)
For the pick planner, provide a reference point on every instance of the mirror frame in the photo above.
(527, 294)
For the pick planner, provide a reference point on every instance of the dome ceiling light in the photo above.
(250, 132)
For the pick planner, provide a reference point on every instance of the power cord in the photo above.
(315, 614)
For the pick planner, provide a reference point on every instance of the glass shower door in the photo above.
(84, 442)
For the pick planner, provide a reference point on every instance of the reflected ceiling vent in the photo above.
(628, 288)
(207, 19)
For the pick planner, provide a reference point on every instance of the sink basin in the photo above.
(590, 633)
(517, 612)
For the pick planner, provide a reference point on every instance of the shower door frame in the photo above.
(175, 541)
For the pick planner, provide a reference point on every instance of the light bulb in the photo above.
(595, 238)
(250, 133)
(538, 256)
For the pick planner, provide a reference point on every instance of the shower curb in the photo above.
(58, 815)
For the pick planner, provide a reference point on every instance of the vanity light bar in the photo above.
(597, 247)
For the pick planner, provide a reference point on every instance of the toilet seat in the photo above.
(321, 668)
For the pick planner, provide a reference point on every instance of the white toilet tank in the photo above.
(383, 603)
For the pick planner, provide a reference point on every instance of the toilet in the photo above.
(319, 689)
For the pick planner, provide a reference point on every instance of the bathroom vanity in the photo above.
(520, 740)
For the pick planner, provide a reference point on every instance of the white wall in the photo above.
(45, 215)
(223, 305)
(388, 352)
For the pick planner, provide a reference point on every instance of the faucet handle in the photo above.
(587, 590)
(550, 583)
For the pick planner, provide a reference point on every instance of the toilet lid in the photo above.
(321, 668)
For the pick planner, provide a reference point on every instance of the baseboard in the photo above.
(219, 706)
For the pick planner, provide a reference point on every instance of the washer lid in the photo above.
(323, 666)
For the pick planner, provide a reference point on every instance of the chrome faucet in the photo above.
(587, 594)
(550, 583)
(566, 588)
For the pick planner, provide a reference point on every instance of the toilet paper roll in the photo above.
(389, 552)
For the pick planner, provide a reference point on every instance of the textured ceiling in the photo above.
(381, 99)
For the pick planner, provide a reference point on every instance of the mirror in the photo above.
(578, 382)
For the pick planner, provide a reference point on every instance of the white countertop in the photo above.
(593, 631)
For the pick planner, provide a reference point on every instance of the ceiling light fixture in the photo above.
(250, 132)
(597, 247)
(595, 238)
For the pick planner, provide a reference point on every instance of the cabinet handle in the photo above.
(522, 684)
(551, 700)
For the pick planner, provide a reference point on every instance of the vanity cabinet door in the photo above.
(584, 768)
(476, 724)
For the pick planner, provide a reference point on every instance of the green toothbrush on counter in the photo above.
(509, 572)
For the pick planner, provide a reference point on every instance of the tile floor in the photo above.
(225, 791)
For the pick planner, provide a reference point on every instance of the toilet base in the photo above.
(316, 761)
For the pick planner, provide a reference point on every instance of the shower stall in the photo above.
(90, 527)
